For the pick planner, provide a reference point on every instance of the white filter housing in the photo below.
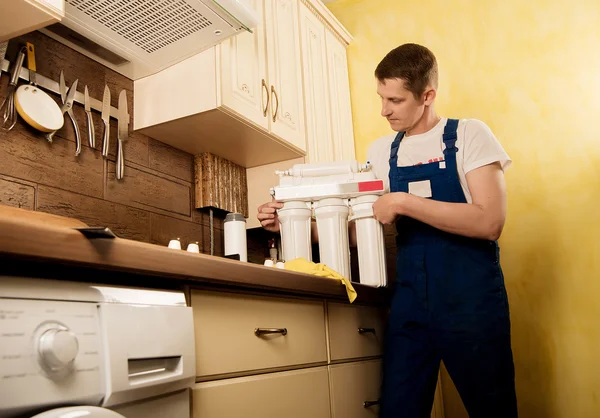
(138, 38)
(294, 220)
(370, 242)
(332, 224)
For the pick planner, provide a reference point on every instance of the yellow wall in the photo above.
(531, 71)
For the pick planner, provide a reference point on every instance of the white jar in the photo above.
(235, 235)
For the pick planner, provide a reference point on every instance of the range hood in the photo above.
(141, 37)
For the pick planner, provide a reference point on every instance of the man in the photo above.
(448, 200)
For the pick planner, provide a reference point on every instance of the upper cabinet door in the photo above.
(316, 90)
(285, 71)
(245, 87)
(339, 91)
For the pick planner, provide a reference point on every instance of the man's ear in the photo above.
(429, 96)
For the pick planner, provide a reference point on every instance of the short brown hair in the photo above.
(412, 63)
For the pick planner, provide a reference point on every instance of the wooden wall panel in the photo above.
(16, 193)
(165, 228)
(169, 160)
(154, 201)
(148, 191)
(125, 221)
(26, 156)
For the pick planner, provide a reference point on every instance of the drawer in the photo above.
(355, 331)
(296, 394)
(353, 384)
(225, 325)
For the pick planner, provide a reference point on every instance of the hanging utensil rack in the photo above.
(51, 85)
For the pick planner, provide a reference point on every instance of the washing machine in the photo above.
(73, 349)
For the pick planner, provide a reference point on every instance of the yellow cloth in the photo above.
(304, 266)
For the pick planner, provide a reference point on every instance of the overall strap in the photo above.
(450, 135)
(394, 160)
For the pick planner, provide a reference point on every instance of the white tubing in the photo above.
(323, 169)
(294, 220)
(332, 224)
(370, 242)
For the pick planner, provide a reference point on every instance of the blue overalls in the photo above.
(449, 304)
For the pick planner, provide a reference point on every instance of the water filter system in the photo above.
(336, 193)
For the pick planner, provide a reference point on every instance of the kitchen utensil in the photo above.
(38, 109)
(63, 96)
(34, 105)
(106, 120)
(7, 108)
(68, 105)
(90, 122)
(122, 134)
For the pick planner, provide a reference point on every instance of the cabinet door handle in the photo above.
(368, 404)
(264, 331)
(262, 97)
(367, 330)
(273, 92)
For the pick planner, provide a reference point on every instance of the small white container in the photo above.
(175, 244)
(235, 235)
(193, 247)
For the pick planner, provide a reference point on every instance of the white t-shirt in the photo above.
(477, 146)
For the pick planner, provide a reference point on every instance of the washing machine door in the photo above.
(79, 412)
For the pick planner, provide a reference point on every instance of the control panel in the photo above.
(50, 354)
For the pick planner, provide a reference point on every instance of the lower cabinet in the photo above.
(355, 389)
(295, 394)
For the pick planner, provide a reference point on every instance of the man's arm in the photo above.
(483, 219)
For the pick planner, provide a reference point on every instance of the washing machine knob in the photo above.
(58, 348)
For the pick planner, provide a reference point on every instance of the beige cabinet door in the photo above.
(244, 84)
(296, 394)
(225, 332)
(339, 93)
(354, 331)
(316, 89)
(285, 71)
(355, 389)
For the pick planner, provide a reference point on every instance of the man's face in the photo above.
(399, 105)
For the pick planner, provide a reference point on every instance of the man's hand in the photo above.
(267, 215)
(388, 207)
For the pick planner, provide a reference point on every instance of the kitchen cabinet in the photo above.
(355, 389)
(226, 322)
(285, 73)
(342, 131)
(294, 394)
(329, 129)
(354, 331)
(327, 108)
(316, 87)
(23, 16)
(306, 372)
(241, 100)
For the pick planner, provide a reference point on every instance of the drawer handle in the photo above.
(265, 331)
(368, 404)
(367, 330)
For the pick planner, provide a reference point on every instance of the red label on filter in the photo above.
(370, 186)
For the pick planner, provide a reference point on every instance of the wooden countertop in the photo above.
(25, 243)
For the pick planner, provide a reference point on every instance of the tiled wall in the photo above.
(153, 203)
